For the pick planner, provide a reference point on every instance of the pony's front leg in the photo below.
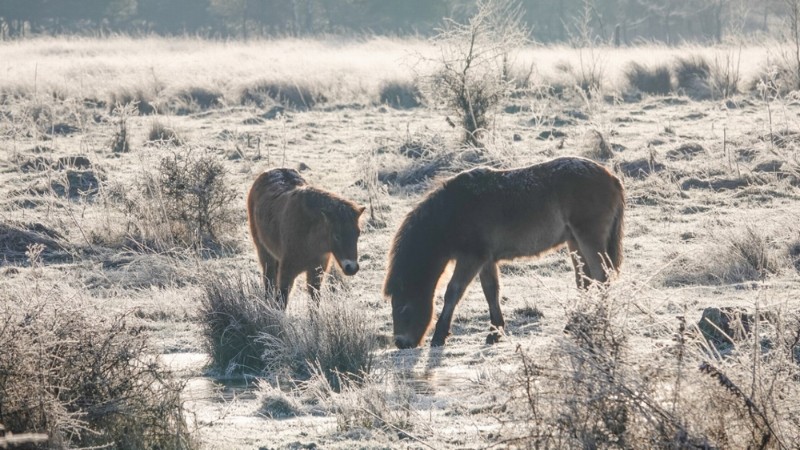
(490, 282)
(314, 277)
(286, 275)
(463, 274)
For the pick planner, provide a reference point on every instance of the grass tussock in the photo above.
(594, 392)
(655, 80)
(400, 94)
(195, 99)
(234, 312)
(692, 75)
(744, 256)
(597, 147)
(140, 99)
(159, 133)
(291, 94)
(83, 377)
(244, 331)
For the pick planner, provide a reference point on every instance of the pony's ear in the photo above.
(361, 210)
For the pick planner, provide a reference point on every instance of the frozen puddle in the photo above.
(199, 387)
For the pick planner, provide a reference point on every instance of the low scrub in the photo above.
(188, 203)
(83, 377)
(594, 391)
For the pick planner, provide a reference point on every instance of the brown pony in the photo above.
(296, 228)
(483, 216)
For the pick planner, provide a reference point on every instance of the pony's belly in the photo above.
(530, 243)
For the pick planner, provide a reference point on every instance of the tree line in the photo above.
(617, 21)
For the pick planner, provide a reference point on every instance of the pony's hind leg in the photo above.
(490, 282)
(592, 250)
(582, 274)
(463, 274)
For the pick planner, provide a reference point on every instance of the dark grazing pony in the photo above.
(297, 227)
(483, 216)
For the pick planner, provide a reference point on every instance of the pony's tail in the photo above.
(614, 243)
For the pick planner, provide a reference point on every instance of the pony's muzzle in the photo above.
(402, 342)
(349, 267)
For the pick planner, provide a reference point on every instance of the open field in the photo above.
(713, 220)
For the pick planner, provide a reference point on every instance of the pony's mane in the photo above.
(329, 202)
(419, 252)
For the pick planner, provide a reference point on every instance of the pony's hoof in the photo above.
(493, 338)
(437, 342)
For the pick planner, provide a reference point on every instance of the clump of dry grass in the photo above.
(120, 142)
(291, 94)
(234, 312)
(244, 331)
(651, 80)
(597, 147)
(400, 94)
(141, 99)
(83, 377)
(744, 256)
(194, 99)
(692, 76)
(159, 133)
(16, 240)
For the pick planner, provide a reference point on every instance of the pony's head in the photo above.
(340, 224)
(411, 317)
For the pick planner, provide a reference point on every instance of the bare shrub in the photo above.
(469, 79)
(651, 80)
(187, 202)
(163, 134)
(725, 73)
(83, 377)
(290, 94)
(400, 94)
(591, 67)
(198, 198)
